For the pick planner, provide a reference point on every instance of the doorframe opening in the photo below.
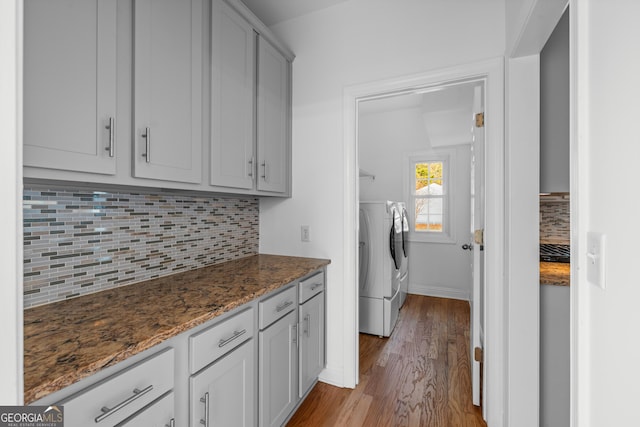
(492, 72)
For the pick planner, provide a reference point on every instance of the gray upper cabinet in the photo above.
(202, 91)
(250, 106)
(232, 98)
(70, 85)
(273, 118)
(167, 130)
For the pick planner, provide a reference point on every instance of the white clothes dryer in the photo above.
(381, 262)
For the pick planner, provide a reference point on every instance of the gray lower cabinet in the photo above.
(209, 376)
(278, 369)
(122, 395)
(312, 343)
(224, 393)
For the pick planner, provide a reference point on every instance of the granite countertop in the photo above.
(555, 273)
(73, 339)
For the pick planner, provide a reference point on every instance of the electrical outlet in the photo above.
(304, 233)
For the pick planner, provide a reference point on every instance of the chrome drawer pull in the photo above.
(110, 411)
(112, 131)
(172, 423)
(205, 400)
(235, 335)
(316, 286)
(283, 306)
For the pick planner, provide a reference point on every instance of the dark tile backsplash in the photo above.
(79, 242)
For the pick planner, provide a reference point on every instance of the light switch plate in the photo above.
(596, 258)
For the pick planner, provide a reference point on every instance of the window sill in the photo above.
(443, 239)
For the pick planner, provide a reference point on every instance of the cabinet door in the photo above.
(273, 118)
(167, 93)
(278, 371)
(224, 393)
(158, 414)
(312, 342)
(70, 85)
(232, 98)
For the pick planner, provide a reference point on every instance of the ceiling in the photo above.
(446, 111)
(272, 12)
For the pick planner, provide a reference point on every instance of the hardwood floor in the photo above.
(418, 377)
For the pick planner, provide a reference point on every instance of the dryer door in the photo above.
(395, 239)
(405, 233)
(364, 250)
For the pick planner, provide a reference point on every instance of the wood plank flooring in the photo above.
(418, 377)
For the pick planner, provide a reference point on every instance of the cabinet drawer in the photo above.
(121, 395)
(208, 345)
(277, 306)
(159, 413)
(311, 286)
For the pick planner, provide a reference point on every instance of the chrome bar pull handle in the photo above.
(307, 325)
(294, 335)
(251, 168)
(264, 170)
(172, 423)
(205, 400)
(235, 335)
(112, 137)
(110, 411)
(283, 306)
(147, 136)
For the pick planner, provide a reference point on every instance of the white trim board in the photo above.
(433, 290)
(492, 72)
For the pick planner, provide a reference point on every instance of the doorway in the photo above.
(491, 73)
(424, 149)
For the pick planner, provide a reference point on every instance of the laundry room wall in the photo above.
(385, 139)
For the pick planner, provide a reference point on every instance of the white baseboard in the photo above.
(332, 376)
(439, 291)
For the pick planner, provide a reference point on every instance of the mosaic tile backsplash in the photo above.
(554, 221)
(79, 242)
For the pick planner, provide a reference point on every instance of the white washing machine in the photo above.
(381, 264)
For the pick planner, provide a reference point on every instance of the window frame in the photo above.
(447, 157)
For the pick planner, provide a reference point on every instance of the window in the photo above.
(428, 190)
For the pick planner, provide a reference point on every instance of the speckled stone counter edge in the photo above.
(555, 273)
(67, 341)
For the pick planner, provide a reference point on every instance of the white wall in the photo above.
(353, 43)
(523, 152)
(385, 138)
(606, 144)
(554, 110)
(10, 193)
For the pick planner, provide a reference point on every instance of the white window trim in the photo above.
(448, 157)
